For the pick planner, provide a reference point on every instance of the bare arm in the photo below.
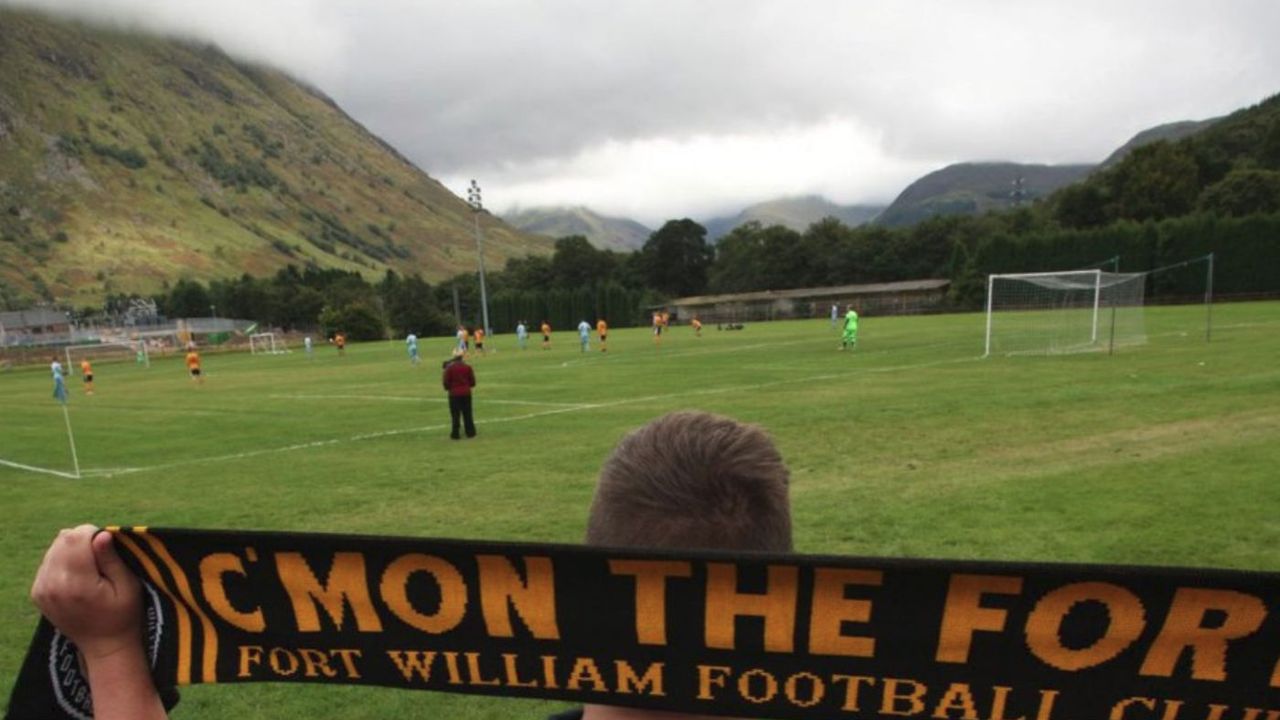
(88, 593)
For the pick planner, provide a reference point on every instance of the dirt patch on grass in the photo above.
(58, 168)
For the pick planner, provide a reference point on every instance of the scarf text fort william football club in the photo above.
(736, 634)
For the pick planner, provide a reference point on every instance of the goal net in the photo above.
(107, 351)
(266, 344)
(1064, 312)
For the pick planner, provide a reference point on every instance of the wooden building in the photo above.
(36, 326)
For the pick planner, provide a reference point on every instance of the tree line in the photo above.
(576, 282)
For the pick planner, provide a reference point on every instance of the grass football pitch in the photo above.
(912, 445)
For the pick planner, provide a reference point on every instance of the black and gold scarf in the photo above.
(738, 634)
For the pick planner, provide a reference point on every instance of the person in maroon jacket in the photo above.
(458, 380)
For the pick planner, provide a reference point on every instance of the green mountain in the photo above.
(129, 161)
(974, 188)
(606, 233)
(1171, 132)
(797, 213)
(1228, 168)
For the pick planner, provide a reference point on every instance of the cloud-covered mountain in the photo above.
(797, 213)
(128, 161)
(606, 233)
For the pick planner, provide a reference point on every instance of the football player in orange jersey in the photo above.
(87, 371)
(193, 365)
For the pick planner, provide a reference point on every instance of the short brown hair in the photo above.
(693, 480)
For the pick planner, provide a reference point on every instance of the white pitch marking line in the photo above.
(33, 468)
(528, 416)
(333, 441)
(682, 353)
(405, 398)
(107, 472)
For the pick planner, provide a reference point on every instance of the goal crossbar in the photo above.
(136, 349)
(265, 343)
(1090, 273)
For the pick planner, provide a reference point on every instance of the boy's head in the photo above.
(693, 480)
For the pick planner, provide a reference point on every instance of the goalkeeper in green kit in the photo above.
(850, 337)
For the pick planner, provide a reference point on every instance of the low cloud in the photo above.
(706, 175)
(664, 108)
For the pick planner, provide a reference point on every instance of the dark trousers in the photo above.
(460, 408)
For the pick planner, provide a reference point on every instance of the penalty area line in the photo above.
(33, 468)
(410, 398)
(673, 353)
(326, 442)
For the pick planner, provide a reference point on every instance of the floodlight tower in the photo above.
(473, 199)
(1019, 193)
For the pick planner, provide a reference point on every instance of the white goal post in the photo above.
(1064, 312)
(135, 350)
(266, 343)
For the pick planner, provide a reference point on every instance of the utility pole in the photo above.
(473, 199)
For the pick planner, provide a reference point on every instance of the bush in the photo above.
(270, 148)
(69, 145)
(241, 173)
(127, 157)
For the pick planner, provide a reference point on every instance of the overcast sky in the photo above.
(655, 109)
